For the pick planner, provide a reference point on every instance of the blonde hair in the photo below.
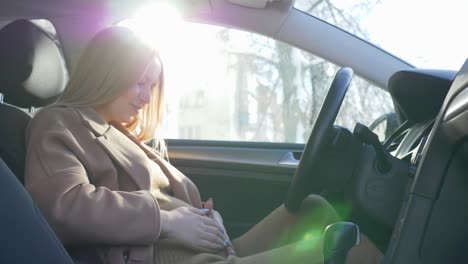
(113, 61)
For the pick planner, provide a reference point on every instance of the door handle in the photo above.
(288, 160)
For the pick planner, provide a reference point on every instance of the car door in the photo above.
(246, 179)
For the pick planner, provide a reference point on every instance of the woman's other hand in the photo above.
(191, 228)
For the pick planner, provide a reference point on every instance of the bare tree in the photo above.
(290, 85)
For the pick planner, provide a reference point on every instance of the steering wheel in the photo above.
(304, 181)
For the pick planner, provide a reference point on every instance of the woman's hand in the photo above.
(216, 216)
(219, 220)
(191, 228)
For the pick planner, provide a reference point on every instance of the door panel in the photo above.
(247, 180)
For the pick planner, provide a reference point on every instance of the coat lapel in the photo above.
(122, 150)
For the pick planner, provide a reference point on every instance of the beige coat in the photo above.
(95, 186)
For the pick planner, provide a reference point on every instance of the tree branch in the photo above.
(255, 56)
(354, 26)
(311, 8)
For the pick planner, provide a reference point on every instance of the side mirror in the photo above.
(384, 125)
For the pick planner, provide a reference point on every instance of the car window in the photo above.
(232, 85)
(369, 105)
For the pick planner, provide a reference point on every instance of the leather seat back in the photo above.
(25, 235)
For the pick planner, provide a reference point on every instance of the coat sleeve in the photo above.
(78, 211)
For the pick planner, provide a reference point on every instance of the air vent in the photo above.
(393, 146)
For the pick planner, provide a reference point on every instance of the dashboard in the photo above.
(377, 197)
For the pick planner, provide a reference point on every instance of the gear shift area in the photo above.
(338, 239)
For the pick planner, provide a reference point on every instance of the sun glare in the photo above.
(154, 23)
(187, 49)
(192, 54)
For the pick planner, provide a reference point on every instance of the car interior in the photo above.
(408, 194)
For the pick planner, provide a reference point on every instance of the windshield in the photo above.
(425, 33)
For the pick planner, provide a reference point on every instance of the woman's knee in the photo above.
(318, 205)
(315, 201)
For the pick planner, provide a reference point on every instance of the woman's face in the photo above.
(130, 102)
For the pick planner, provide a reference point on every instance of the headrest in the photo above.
(420, 93)
(32, 69)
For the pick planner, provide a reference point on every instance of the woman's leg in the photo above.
(297, 238)
(281, 227)
(290, 254)
(364, 253)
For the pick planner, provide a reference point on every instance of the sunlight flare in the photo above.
(155, 24)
